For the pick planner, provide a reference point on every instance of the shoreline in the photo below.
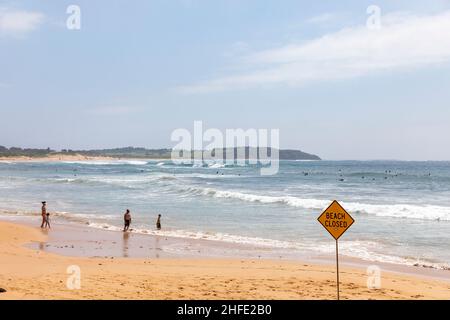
(133, 245)
(187, 278)
(72, 239)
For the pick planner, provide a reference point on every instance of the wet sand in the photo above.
(81, 241)
(30, 268)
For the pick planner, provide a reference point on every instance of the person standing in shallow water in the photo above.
(44, 213)
(127, 220)
(158, 222)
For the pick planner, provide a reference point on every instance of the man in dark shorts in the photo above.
(158, 222)
(127, 220)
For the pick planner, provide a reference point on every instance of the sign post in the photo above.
(336, 220)
(337, 268)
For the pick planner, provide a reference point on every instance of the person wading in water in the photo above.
(158, 222)
(127, 220)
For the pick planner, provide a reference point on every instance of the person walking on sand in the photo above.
(158, 222)
(43, 213)
(127, 220)
(47, 220)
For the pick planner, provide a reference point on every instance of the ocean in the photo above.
(401, 209)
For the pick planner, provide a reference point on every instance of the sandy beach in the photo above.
(55, 157)
(27, 273)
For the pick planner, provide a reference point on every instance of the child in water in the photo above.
(47, 220)
(158, 222)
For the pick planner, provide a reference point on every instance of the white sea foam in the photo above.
(364, 250)
(110, 162)
(424, 212)
(208, 176)
(216, 165)
(135, 162)
(407, 211)
(375, 252)
(75, 217)
(86, 162)
(85, 217)
(223, 237)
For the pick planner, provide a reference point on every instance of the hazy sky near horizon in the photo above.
(137, 70)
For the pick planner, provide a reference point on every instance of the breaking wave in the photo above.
(108, 163)
(423, 212)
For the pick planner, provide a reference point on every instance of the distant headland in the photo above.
(136, 152)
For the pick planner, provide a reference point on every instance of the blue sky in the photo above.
(137, 70)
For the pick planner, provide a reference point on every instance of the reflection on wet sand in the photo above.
(126, 236)
(43, 245)
(72, 240)
(157, 248)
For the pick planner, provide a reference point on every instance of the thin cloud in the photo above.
(19, 22)
(404, 42)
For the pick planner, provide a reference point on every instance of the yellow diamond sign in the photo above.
(336, 220)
